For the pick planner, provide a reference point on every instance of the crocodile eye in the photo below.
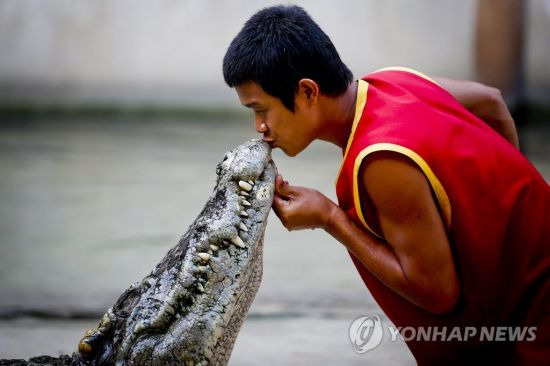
(85, 349)
(89, 344)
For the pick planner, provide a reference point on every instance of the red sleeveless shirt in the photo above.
(495, 205)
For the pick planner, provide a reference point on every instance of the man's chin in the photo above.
(291, 150)
(290, 153)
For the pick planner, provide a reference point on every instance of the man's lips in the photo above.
(269, 140)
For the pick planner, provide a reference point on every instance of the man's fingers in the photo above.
(279, 183)
(282, 187)
(279, 202)
(281, 208)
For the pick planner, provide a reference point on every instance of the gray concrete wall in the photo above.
(170, 51)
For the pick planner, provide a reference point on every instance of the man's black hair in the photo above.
(280, 45)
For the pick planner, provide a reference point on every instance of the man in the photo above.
(446, 222)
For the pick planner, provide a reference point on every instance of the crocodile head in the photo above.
(189, 309)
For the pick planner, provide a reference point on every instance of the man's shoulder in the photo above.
(397, 72)
(389, 176)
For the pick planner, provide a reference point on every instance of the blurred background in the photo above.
(114, 114)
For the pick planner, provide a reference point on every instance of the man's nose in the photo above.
(261, 127)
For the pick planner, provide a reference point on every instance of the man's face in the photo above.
(280, 127)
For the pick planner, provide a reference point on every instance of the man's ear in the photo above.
(309, 90)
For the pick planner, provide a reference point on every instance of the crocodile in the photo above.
(190, 308)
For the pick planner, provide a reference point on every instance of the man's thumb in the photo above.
(282, 187)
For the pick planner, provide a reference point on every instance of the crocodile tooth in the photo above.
(225, 242)
(243, 227)
(138, 328)
(170, 309)
(214, 247)
(105, 320)
(201, 269)
(244, 185)
(251, 182)
(171, 299)
(243, 214)
(244, 193)
(238, 242)
(204, 256)
(246, 203)
(200, 287)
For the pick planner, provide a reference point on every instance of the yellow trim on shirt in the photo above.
(436, 185)
(362, 88)
(407, 69)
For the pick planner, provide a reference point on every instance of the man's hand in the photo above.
(301, 208)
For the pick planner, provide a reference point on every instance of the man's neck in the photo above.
(338, 115)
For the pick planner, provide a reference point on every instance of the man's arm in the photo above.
(416, 260)
(484, 102)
